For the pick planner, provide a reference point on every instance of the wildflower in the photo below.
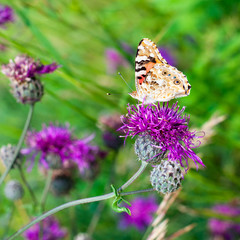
(109, 124)
(57, 147)
(224, 229)
(6, 15)
(7, 153)
(114, 60)
(142, 210)
(167, 55)
(24, 74)
(166, 126)
(50, 230)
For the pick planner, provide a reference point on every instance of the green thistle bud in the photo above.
(13, 190)
(27, 92)
(7, 153)
(166, 177)
(147, 150)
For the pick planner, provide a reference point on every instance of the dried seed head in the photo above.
(13, 190)
(7, 153)
(166, 177)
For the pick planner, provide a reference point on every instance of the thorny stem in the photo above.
(27, 185)
(19, 145)
(80, 201)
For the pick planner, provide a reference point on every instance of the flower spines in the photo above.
(167, 126)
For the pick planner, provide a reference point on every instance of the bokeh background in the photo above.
(202, 37)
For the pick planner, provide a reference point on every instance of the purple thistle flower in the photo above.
(224, 229)
(6, 15)
(167, 126)
(51, 230)
(25, 68)
(167, 55)
(114, 61)
(59, 141)
(142, 210)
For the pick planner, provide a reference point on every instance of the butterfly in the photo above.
(155, 79)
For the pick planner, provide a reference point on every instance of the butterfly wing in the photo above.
(155, 79)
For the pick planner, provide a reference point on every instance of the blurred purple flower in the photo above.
(167, 55)
(165, 125)
(6, 15)
(224, 229)
(24, 68)
(114, 60)
(142, 210)
(59, 141)
(51, 230)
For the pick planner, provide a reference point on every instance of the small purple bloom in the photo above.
(142, 210)
(59, 141)
(114, 61)
(165, 125)
(167, 55)
(224, 229)
(25, 68)
(6, 15)
(51, 230)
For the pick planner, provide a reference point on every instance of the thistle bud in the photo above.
(148, 150)
(7, 153)
(82, 236)
(166, 177)
(13, 190)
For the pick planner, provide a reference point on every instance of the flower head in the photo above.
(6, 15)
(25, 68)
(167, 55)
(142, 210)
(57, 143)
(222, 228)
(167, 126)
(51, 230)
(114, 61)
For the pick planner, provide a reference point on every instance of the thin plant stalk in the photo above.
(80, 201)
(34, 199)
(19, 145)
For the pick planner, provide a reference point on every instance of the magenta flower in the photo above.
(6, 15)
(167, 55)
(51, 230)
(57, 143)
(224, 229)
(114, 61)
(25, 68)
(167, 126)
(142, 210)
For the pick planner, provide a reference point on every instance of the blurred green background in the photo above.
(203, 37)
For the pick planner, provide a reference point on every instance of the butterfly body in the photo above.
(155, 79)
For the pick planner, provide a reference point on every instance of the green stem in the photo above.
(80, 201)
(46, 190)
(27, 185)
(19, 145)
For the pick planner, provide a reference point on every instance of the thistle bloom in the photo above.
(51, 230)
(24, 74)
(142, 210)
(224, 229)
(114, 61)
(57, 143)
(24, 68)
(167, 126)
(6, 15)
(167, 55)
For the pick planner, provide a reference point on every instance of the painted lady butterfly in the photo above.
(155, 79)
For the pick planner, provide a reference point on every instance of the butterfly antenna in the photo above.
(124, 80)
